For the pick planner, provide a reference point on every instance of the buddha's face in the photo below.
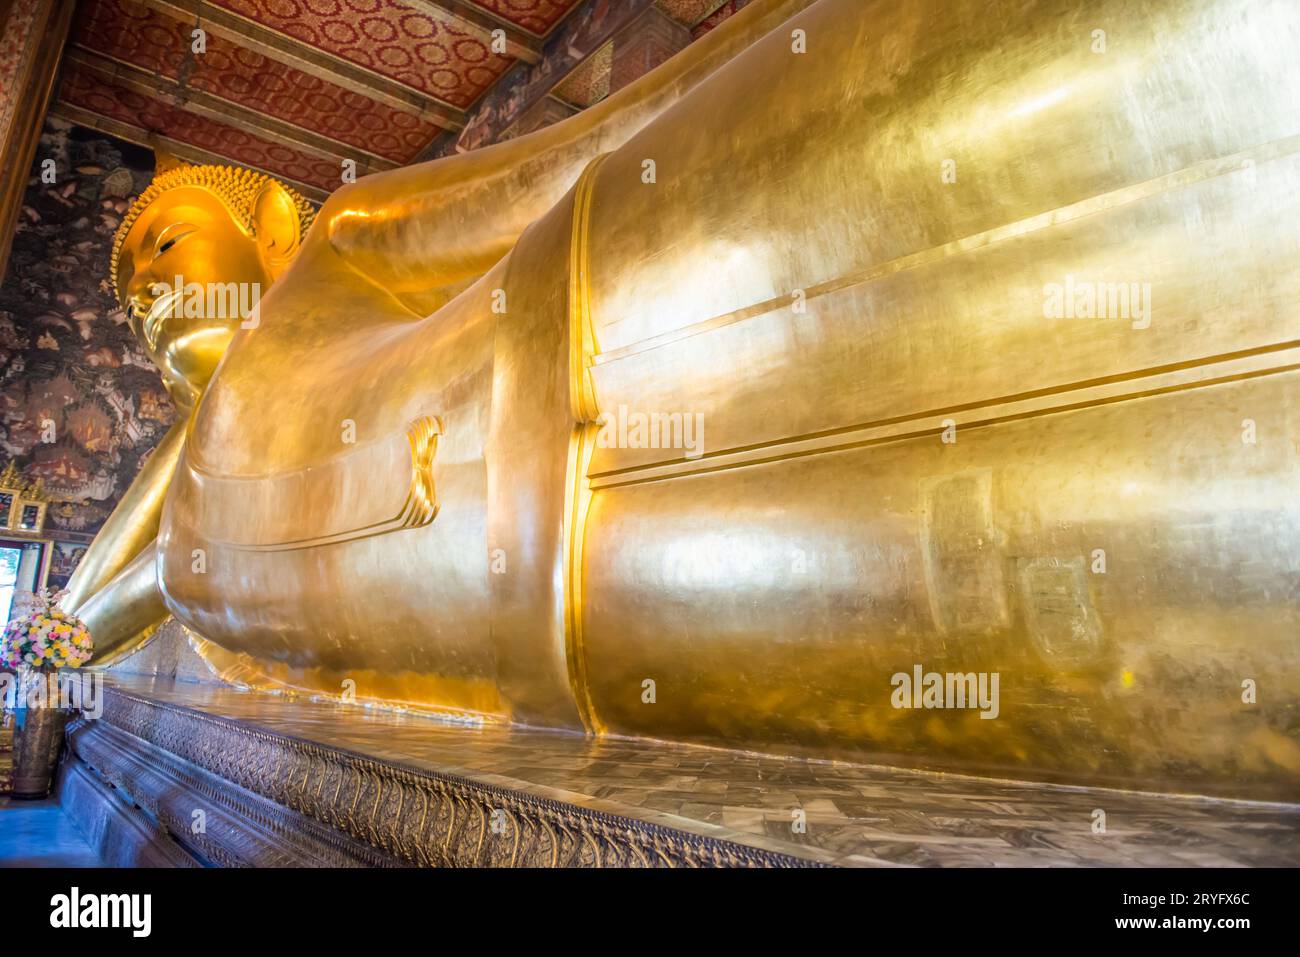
(189, 274)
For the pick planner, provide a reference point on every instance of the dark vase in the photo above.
(36, 751)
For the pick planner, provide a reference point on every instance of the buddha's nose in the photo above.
(145, 315)
(137, 308)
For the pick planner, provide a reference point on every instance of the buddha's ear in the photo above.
(276, 226)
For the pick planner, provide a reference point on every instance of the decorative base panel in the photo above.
(152, 783)
(119, 831)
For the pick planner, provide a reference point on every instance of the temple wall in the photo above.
(66, 353)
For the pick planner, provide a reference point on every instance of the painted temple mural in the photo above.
(81, 407)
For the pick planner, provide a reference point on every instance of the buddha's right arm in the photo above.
(127, 610)
(437, 226)
(133, 525)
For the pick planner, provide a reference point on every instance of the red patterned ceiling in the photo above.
(125, 106)
(136, 35)
(535, 16)
(389, 38)
(297, 87)
(717, 16)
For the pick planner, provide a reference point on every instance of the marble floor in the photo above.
(39, 834)
(835, 812)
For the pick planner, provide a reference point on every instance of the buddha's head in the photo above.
(191, 259)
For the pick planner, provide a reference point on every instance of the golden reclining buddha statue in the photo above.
(859, 342)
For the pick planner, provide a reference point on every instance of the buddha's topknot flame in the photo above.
(234, 186)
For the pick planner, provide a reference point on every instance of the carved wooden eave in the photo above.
(12, 479)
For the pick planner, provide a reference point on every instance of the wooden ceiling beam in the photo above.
(211, 107)
(343, 73)
(184, 151)
(480, 24)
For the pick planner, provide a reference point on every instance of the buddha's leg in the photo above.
(995, 377)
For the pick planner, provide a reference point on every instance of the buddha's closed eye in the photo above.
(171, 236)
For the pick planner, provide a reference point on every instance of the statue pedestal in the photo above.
(258, 786)
(211, 775)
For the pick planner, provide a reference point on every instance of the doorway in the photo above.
(10, 559)
(20, 571)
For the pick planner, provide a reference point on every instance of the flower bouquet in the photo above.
(40, 641)
(43, 637)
